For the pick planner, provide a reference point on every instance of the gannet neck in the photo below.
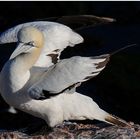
(24, 62)
(16, 72)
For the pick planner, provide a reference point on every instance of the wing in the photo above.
(79, 22)
(66, 75)
(57, 38)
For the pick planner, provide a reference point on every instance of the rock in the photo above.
(12, 135)
(77, 131)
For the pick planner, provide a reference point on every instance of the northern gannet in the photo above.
(48, 92)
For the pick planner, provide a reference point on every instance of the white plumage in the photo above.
(48, 90)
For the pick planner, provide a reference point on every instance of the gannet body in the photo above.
(50, 93)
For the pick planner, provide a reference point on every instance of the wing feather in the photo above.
(67, 74)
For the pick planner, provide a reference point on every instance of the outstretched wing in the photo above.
(79, 22)
(66, 75)
(57, 38)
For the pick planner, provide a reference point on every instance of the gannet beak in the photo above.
(21, 48)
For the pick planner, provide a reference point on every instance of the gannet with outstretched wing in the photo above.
(49, 93)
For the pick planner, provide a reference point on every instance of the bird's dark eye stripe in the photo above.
(30, 43)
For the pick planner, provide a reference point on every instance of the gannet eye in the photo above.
(30, 43)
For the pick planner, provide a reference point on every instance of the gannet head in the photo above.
(30, 35)
(29, 39)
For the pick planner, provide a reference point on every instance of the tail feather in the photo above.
(116, 121)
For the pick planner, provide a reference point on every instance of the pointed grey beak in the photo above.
(21, 48)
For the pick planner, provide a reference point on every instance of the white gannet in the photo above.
(49, 93)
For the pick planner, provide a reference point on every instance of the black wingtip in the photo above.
(117, 121)
(48, 94)
(103, 63)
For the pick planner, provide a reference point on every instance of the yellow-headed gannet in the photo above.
(49, 92)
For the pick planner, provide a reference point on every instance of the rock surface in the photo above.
(77, 131)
